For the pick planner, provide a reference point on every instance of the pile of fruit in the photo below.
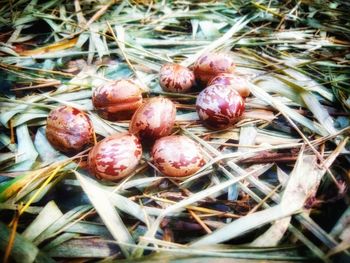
(219, 106)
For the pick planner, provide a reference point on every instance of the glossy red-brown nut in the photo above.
(69, 129)
(115, 156)
(176, 78)
(177, 156)
(219, 106)
(118, 100)
(211, 64)
(153, 120)
(238, 83)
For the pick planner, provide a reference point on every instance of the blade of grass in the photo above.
(23, 251)
(107, 212)
(243, 21)
(46, 217)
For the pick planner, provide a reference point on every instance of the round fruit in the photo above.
(176, 78)
(219, 106)
(69, 129)
(117, 100)
(115, 156)
(238, 83)
(154, 119)
(211, 64)
(177, 156)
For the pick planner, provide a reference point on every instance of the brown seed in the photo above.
(115, 156)
(177, 156)
(219, 106)
(153, 120)
(118, 100)
(211, 64)
(238, 83)
(69, 129)
(176, 78)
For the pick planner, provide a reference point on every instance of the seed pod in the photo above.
(177, 156)
(176, 78)
(238, 83)
(154, 119)
(115, 156)
(69, 129)
(219, 106)
(118, 100)
(211, 64)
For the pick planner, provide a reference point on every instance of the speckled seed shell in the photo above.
(238, 83)
(115, 157)
(69, 129)
(117, 100)
(219, 106)
(177, 156)
(153, 120)
(211, 64)
(176, 78)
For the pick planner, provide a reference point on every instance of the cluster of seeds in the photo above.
(219, 105)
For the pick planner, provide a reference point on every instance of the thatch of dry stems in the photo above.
(274, 186)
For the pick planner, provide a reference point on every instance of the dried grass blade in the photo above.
(23, 250)
(188, 201)
(297, 187)
(243, 21)
(46, 217)
(106, 211)
(263, 95)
